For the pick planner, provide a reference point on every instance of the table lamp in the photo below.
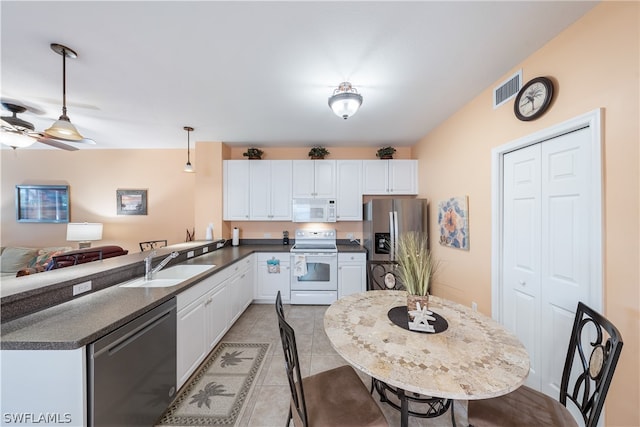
(84, 232)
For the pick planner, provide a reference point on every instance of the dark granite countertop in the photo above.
(82, 320)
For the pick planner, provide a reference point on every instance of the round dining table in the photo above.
(474, 357)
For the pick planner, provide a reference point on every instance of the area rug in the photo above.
(216, 394)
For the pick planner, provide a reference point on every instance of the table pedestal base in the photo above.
(434, 406)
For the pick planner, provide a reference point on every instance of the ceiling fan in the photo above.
(18, 133)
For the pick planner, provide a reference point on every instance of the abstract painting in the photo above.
(453, 221)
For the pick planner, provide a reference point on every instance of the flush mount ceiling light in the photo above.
(188, 167)
(345, 100)
(62, 128)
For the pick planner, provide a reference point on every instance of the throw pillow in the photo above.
(14, 258)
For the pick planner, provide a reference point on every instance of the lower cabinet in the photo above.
(207, 310)
(352, 273)
(273, 275)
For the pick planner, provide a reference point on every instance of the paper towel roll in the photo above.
(209, 235)
(235, 239)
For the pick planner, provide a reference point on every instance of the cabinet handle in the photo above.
(522, 283)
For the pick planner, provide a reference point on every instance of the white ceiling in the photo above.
(259, 73)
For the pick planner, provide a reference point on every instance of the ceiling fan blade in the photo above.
(57, 144)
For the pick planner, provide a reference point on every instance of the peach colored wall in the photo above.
(595, 64)
(208, 189)
(93, 177)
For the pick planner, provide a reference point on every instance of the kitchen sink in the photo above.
(171, 276)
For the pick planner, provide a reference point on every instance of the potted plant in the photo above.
(386, 152)
(318, 153)
(253, 154)
(416, 269)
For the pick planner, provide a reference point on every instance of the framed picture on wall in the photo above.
(42, 203)
(131, 202)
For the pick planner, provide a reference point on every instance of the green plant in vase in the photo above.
(386, 152)
(318, 153)
(253, 153)
(416, 269)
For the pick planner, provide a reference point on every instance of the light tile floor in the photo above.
(267, 405)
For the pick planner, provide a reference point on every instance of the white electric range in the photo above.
(314, 267)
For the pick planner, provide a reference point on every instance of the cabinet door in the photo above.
(216, 307)
(270, 283)
(281, 182)
(374, 176)
(349, 190)
(403, 176)
(260, 190)
(325, 179)
(303, 178)
(191, 341)
(352, 274)
(236, 190)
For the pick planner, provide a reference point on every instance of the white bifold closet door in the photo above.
(546, 238)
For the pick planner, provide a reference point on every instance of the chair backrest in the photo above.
(292, 364)
(382, 276)
(152, 244)
(590, 383)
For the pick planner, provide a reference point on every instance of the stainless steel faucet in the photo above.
(148, 271)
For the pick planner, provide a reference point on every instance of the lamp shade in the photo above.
(345, 100)
(16, 139)
(63, 129)
(84, 232)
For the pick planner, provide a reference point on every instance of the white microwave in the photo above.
(314, 210)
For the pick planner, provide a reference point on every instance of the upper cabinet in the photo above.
(390, 177)
(349, 190)
(270, 190)
(314, 179)
(236, 190)
(257, 190)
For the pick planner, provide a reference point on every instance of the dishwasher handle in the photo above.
(118, 339)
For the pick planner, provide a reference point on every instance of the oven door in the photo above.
(314, 278)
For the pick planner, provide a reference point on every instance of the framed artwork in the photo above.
(453, 221)
(131, 202)
(42, 203)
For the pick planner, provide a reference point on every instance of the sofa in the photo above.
(20, 261)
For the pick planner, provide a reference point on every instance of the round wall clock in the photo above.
(533, 99)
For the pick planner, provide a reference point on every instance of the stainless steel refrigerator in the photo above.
(384, 221)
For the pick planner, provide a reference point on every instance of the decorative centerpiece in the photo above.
(318, 153)
(386, 153)
(253, 154)
(416, 269)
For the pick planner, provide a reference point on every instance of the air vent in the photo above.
(507, 89)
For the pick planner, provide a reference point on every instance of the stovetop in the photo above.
(315, 240)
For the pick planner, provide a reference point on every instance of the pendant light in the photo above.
(345, 100)
(62, 128)
(188, 167)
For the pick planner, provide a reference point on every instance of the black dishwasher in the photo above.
(132, 370)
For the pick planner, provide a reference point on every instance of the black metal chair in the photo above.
(383, 276)
(332, 398)
(590, 376)
(152, 244)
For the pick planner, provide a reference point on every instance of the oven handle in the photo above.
(315, 254)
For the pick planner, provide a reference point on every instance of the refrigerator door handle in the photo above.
(396, 235)
(392, 237)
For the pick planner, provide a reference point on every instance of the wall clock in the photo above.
(533, 99)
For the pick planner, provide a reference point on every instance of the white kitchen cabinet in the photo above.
(236, 190)
(269, 282)
(390, 177)
(352, 273)
(270, 190)
(240, 287)
(349, 190)
(314, 179)
(202, 320)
